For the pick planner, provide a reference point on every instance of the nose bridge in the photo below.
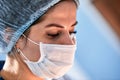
(66, 39)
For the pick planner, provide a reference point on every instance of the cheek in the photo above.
(32, 51)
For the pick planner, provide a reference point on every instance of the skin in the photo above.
(55, 28)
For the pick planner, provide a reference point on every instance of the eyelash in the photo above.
(57, 34)
(74, 32)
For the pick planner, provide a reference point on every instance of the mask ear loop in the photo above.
(21, 53)
(33, 43)
(30, 40)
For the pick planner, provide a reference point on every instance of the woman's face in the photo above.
(54, 28)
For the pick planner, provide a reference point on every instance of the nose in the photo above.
(66, 39)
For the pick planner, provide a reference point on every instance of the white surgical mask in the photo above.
(54, 62)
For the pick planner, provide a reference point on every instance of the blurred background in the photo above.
(98, 41)
(98, 38)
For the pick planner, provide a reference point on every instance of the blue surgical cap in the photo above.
(18, 15)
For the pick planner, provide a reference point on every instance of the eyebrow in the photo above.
(60, 26)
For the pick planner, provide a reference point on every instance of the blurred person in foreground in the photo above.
(38, 37)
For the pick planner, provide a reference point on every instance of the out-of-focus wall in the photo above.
(98, 53)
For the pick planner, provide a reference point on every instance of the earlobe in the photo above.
(20, 43)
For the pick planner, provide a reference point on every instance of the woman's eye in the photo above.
(53, 35)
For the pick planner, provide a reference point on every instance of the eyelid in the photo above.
(51, 34)
(56, 35)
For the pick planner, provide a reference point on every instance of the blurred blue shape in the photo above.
(95, 54)
(2, 56)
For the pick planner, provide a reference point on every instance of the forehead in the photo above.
(64, 11)
(62, 8)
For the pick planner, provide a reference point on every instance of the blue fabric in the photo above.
(17, 16)
(1, 78)
(1, 66)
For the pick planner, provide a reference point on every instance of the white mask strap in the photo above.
(21, 53)
(30, 40)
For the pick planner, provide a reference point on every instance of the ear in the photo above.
(20, 43)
